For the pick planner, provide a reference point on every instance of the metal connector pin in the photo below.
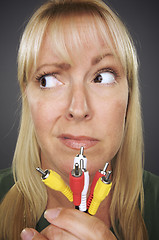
(45, 173)
(81, 150)
(40, 170)
(106, 179)
(76, 169)
(104, 171)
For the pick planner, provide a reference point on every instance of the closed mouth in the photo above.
(76, 142)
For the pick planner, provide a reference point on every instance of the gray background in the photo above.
(141, 18)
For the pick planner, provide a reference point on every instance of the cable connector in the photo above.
(101, 191)
(54, 181)
(77, 184)
(80, 157)
(98, 174)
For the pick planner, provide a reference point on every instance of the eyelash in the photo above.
(113, 71)
(110, 70)
(44, 74)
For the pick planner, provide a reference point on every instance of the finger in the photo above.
(79, 224)
(52, 232)
(31, 234)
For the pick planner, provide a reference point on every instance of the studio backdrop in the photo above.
(141, 18)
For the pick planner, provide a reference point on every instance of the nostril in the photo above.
(71, 115)
(77, 116)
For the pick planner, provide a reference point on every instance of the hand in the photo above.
(70, 224)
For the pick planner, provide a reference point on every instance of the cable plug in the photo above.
(101, 191)
(98, 174)
(80, 157)
(77, 184)
(54, 181)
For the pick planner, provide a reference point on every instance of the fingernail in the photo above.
(52, 213)
(27, 234)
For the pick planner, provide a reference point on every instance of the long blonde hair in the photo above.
(27, 199)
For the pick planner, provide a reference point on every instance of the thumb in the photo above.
(31, 234)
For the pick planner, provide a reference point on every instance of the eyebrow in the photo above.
(99, 58)
(62, 66)
(67, 66)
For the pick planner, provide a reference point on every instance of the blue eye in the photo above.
(105, 78)
(49, 81)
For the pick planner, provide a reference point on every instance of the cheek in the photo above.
(41, 114)
(118, 113)
(113, 119)
(44, 114)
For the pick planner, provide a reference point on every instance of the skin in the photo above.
(77, 105)
(68, 224)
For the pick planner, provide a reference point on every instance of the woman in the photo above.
(77, 69)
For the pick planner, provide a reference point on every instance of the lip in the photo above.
(76, 142)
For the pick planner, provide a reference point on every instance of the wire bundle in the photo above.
(79, 183)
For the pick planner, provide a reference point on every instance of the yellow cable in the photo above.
(101, 191)
(55, 182)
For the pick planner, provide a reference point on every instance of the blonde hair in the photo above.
(25, 202)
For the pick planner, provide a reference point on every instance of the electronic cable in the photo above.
(54, 181)
(76, 178)
(99, 173)
(101, 191)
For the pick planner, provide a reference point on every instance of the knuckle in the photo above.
(52, 232)
(67, 215)
(99, 230)
(55, 233)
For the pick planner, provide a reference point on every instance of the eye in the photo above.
(105, 78)
(49, 81)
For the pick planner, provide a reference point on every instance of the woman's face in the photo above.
(82, 104)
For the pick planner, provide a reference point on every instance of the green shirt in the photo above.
(151, 207)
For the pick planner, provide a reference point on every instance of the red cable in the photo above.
(77, 184)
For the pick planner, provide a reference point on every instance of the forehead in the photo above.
(75, 34)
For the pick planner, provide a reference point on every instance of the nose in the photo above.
(78, 108)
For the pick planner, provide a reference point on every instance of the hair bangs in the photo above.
(66, 25)
(69, 35)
